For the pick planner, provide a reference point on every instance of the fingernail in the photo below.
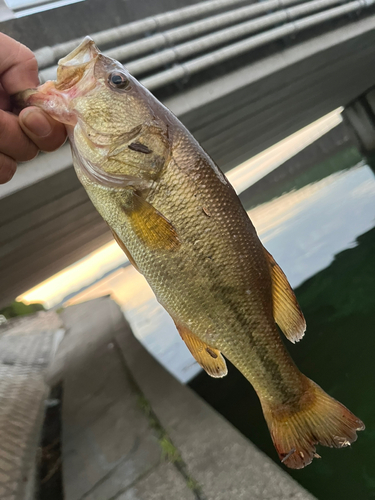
(36, 122)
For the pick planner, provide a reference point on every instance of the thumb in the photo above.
(44, 131)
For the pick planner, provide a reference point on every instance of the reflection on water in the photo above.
(304, 229)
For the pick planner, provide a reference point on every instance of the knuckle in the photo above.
(29, 58)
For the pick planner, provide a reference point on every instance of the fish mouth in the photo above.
(74, 66)
(84, 53)
(75, 76)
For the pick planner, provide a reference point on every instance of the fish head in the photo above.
(116, 127)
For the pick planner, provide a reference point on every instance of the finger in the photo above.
(4, 100)
(44, 131)
(13, 142)
(18, 66)
(7, 168)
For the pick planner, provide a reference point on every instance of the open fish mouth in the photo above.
(72, 67)
(75, 76)
(84, 53)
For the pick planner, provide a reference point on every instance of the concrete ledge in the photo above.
(123, 414)
(109, 448)
(221, 460)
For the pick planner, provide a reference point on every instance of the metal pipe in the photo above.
(195, 46)
(181, 70)
(219, 56)
(187, 49)
(49, 55)
(170, 37)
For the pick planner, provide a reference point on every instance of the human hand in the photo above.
(21, 137)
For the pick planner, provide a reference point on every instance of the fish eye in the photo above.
(118, 80)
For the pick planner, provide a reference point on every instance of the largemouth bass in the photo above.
(182, 226)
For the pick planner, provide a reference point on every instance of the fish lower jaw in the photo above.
(55, 103)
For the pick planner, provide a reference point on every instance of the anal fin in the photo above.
(286, 310)
(210, 359)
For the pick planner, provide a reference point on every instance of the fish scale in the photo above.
(182, 226)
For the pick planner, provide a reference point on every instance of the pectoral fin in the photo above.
(124, 249)
(155, 231)
(286, 310)
(209, 358)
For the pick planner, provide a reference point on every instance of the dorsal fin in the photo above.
(209, 358)
(286, 310)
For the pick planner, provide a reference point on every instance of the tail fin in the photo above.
(319, 419)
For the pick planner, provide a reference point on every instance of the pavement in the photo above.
(133, 432)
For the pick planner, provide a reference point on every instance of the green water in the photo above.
(327, 248)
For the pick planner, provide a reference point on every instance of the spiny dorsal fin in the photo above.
(121, 244)
(209, 358)
(286, 310)
(155, 231)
